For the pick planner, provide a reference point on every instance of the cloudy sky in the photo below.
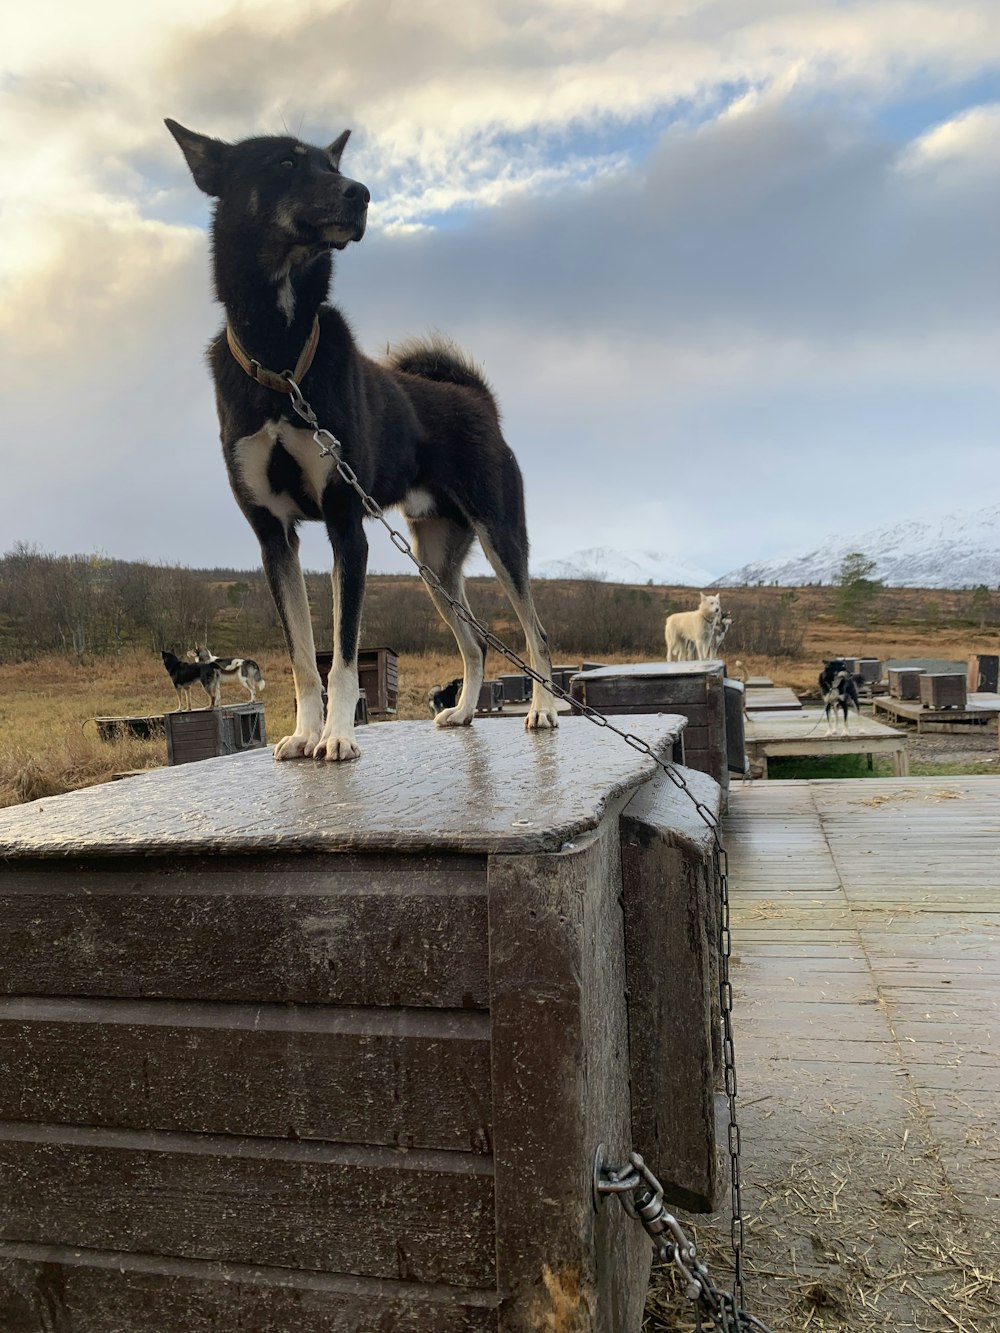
(731, 265)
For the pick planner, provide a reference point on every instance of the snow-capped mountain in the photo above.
(956, 550)
(602, 562)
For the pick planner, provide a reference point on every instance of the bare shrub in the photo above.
(768, 627)
(587, 617)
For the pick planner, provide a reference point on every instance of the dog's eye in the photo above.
(288, 162)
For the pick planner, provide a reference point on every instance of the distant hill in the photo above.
(602, 562)
(956, 550)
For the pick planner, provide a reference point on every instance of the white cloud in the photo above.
(966, 145)
(676, 234)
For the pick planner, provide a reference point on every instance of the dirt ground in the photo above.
(978, 747)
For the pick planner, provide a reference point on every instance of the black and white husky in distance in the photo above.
(838, 689)
(185, 674)
(244, 669)
(420, 430)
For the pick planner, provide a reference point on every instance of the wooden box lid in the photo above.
(415, 788)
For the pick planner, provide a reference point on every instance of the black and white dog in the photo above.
(421, 430)
(185, 674)
(444, 696)
(838, 689)
(245, 669)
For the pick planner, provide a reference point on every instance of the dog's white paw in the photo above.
(541, 719)
(336, 749)
(453, 717)
(301, 745)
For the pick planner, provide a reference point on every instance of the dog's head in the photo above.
(290, 195)
(710, 605)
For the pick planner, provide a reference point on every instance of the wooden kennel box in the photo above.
(904, 682)
(491, 696)
(516, 688)
(331, 1048)
(868, 668)
(984, 673)
(145, 728)
(942, 690)
(561, 675)
(207, 733)
(693, 689)
(378, 677)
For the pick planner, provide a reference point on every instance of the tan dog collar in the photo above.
(271, 379)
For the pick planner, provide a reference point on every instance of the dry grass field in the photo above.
(49, 744)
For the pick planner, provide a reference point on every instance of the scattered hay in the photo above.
(895, 797)
(872, 1238)
(763, 911)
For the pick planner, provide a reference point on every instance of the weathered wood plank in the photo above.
(420, 1216)
(48, 1287)
(250, 929)
(420, 789)
(607, 690)
(408, 1078)
(772, 699)
(669, 887)
(560, 1078)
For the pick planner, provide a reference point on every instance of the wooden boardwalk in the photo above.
(866, 946)
(981, 711)
(774, 735)
(771, 699)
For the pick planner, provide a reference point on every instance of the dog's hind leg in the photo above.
(279, 549)
(443, 544)
(505, 545)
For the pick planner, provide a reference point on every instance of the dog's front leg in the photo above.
(279, 549)
(350, 564)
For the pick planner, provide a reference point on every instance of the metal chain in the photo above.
(330, 447)
(641, 1195)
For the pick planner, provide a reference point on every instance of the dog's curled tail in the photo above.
(439, 359)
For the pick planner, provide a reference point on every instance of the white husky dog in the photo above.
(691, 634)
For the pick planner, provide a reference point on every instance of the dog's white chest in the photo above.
(254, 455)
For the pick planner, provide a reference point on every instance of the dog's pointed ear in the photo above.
(336, 149)
(206, 157)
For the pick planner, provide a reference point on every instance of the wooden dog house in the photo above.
(696, 690)
(330, 1048)
(206, 733)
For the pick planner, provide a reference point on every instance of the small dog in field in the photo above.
(420, 430)
(838, 689)
(245, 669)
(185, 674)
(691, 635)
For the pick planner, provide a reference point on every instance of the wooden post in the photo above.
(560, 1030)
(671, 930)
